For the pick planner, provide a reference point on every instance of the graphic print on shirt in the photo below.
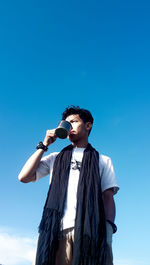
(75, 165)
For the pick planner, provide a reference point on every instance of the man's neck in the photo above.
(80, 144)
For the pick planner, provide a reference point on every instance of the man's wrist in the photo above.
(114, 227)
(42, 146)
(45, 143)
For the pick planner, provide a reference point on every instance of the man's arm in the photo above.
(27, 173)
(109, 205)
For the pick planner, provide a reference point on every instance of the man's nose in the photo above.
(70, 127)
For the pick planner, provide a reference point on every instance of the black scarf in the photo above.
(90, 230)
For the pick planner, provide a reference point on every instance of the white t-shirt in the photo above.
(108, 179)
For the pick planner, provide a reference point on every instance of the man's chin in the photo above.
(71, 137)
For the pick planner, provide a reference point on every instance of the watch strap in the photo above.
(42, 146)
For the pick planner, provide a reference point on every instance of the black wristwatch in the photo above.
(42, 146)
(114, 227)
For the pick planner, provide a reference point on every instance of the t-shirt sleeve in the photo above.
(108, 177)
(46, 166)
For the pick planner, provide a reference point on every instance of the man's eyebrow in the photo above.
(72, 120)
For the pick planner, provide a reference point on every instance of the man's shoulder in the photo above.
(50, 156)
(104, 158)
(104, 161)
(54, 154)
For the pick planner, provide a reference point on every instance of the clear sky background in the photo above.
(95, 54)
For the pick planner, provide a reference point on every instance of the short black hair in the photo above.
(84, 114)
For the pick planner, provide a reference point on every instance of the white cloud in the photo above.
(16, 250)
(19, 250)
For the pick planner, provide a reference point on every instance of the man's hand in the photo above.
(50, 137)
(28, 172)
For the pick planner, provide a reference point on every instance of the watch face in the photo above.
(42, 146)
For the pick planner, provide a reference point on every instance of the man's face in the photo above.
(79, 130)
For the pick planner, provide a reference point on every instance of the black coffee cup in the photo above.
(63, 129)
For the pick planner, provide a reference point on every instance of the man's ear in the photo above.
(88, 126)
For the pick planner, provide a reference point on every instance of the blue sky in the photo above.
(94, 54)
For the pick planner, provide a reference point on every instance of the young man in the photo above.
(79, 213)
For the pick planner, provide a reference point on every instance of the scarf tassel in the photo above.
(48, 238)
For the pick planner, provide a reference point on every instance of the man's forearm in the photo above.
(109, 205)
(28, 172)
